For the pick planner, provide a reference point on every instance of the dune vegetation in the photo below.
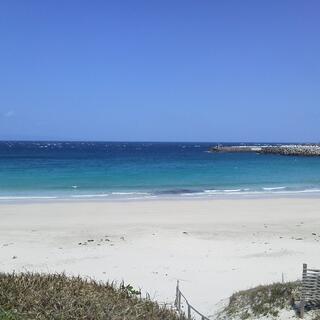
(40, 296)
(274, 301)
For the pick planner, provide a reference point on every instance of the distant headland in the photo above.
(286, 150)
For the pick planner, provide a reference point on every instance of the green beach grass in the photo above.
(266, 302)
(55, 296)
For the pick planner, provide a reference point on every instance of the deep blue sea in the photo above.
(127, 170)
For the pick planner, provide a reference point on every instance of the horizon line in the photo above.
(151, 141)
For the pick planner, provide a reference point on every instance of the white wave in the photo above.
(311, 190)
(192, 194)
(273, 188)
(25, 197)
(140, 198)
(211, 191)
(130, 193)
(90, 195)
(214, 191)
(301, 191)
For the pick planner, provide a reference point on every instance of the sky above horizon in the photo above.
(160, 70)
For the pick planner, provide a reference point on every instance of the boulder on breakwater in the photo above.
(287, 150)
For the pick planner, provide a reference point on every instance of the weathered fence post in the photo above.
(189, 312)
(189, 308)
(303, 302)
(178, 298)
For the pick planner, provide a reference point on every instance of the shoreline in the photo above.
(213, 247)
(4, 200)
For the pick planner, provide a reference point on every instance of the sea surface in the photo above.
(128, 170)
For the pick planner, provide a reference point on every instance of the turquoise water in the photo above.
(146, 170)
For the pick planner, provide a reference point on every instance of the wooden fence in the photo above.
(189, 311)
(310, 291)
(310, 295)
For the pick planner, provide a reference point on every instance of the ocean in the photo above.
(129, 170)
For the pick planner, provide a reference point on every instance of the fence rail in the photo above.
(310, 291)
(190, 310)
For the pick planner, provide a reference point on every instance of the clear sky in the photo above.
(165, 70)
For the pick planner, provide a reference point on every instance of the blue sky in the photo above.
(160, 70)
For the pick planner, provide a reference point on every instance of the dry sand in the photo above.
(214, 247)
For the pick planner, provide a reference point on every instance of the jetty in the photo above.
(287, 150)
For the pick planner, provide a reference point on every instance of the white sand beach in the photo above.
(214, 247)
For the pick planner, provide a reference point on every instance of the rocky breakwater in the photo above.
(235, 149)
(287, 150)
(293, 150)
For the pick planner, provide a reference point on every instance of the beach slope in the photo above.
(214, 247)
